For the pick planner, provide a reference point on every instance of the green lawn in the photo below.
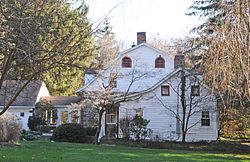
(45, 151)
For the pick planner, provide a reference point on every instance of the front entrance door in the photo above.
(112, 122)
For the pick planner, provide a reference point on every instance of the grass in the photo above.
(44, 151)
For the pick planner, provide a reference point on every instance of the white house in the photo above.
(150, 83)
(26, 101)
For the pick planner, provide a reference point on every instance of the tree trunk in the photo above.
(183, 136)
(184, 106)
(99, 127)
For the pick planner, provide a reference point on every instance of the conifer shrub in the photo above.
(34, 123)
(138, 127)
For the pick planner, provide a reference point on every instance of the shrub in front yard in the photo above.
(138, 127)
(90, 131)
(31, 135)
(45, 129)
(10, 128)
(34, 123)
(125, 126)
(70, 132)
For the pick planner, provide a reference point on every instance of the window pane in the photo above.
(74, 117)
(111, 116)
(126, 62)
(64, 117)
(159, 62)
(205, 122)
(205, 119)
(53, 117)
(165, 91)
(195, 90)
(22, 114)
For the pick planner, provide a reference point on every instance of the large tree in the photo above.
(224, 46)
(43, 39)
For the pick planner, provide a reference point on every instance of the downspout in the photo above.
(178, 131)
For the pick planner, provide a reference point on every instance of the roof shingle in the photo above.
(27, 97)
(62, 100)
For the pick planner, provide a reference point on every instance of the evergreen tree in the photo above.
(44, 39)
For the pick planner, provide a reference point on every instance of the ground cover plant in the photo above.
(45, 151)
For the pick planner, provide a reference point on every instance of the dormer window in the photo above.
(126, 62)
(159, 62)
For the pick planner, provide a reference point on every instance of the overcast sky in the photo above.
(165, 19)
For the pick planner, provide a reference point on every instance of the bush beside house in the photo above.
(138, 127)
(73, 132)
(31, 135)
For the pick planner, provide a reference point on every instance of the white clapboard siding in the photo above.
(163, 121)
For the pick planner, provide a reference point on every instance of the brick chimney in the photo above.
(179, 61)
(141, 37)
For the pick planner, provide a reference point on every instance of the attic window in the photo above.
(159, 62)
(126, 62)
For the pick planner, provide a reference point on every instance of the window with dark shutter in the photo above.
(159, 62)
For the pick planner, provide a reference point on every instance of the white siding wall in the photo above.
(160, 110)
(24, 119)
(143, 67)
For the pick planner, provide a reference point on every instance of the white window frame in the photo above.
(205, 116)
(111, 117)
